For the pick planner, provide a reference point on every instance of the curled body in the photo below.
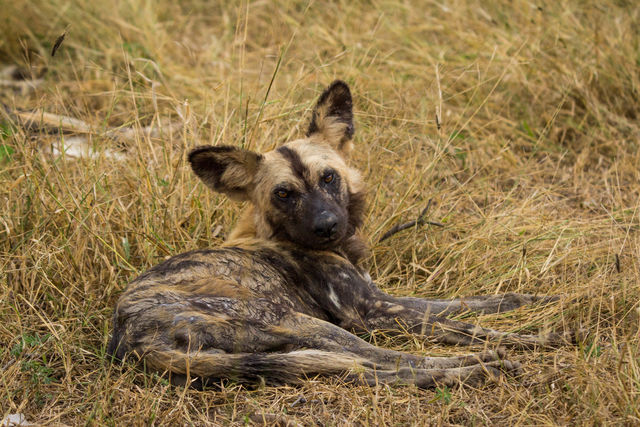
(280, 300)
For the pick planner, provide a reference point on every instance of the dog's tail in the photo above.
(201, 367)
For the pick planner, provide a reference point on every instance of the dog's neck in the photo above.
(250, 227)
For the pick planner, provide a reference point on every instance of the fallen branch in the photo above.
(420, 221)
(78, 145)
(39, 119)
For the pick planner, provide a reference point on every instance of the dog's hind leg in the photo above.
(293, 367)
(473, 375)
(308, 332)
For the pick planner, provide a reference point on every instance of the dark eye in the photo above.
(283, 194)
(328, 178)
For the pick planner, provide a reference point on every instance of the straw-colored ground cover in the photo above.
(532, 166)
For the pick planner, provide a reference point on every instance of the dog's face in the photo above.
(303, 191)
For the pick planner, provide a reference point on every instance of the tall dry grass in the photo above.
(533, 169)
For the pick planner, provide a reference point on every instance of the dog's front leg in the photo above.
(353, 301)
(482, 303)
(424, 317)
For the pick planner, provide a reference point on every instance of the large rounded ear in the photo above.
(228, 170)
(332, 117)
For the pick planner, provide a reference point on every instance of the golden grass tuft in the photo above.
(533, 170)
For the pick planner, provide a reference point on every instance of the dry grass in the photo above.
(534, 171)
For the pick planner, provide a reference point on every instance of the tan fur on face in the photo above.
(275, 170)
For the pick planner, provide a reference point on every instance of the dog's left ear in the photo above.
(332, 117)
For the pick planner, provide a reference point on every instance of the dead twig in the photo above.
(300, 400)
(420, 221)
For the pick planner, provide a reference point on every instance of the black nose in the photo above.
(325, 225)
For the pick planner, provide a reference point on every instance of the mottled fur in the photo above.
(278, 300)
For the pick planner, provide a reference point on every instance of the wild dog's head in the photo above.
(303, 191)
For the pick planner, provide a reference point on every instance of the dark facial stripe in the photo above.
(298, 168)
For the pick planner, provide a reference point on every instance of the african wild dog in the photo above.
(277, 300)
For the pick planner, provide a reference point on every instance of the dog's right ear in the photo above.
(228, 170)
